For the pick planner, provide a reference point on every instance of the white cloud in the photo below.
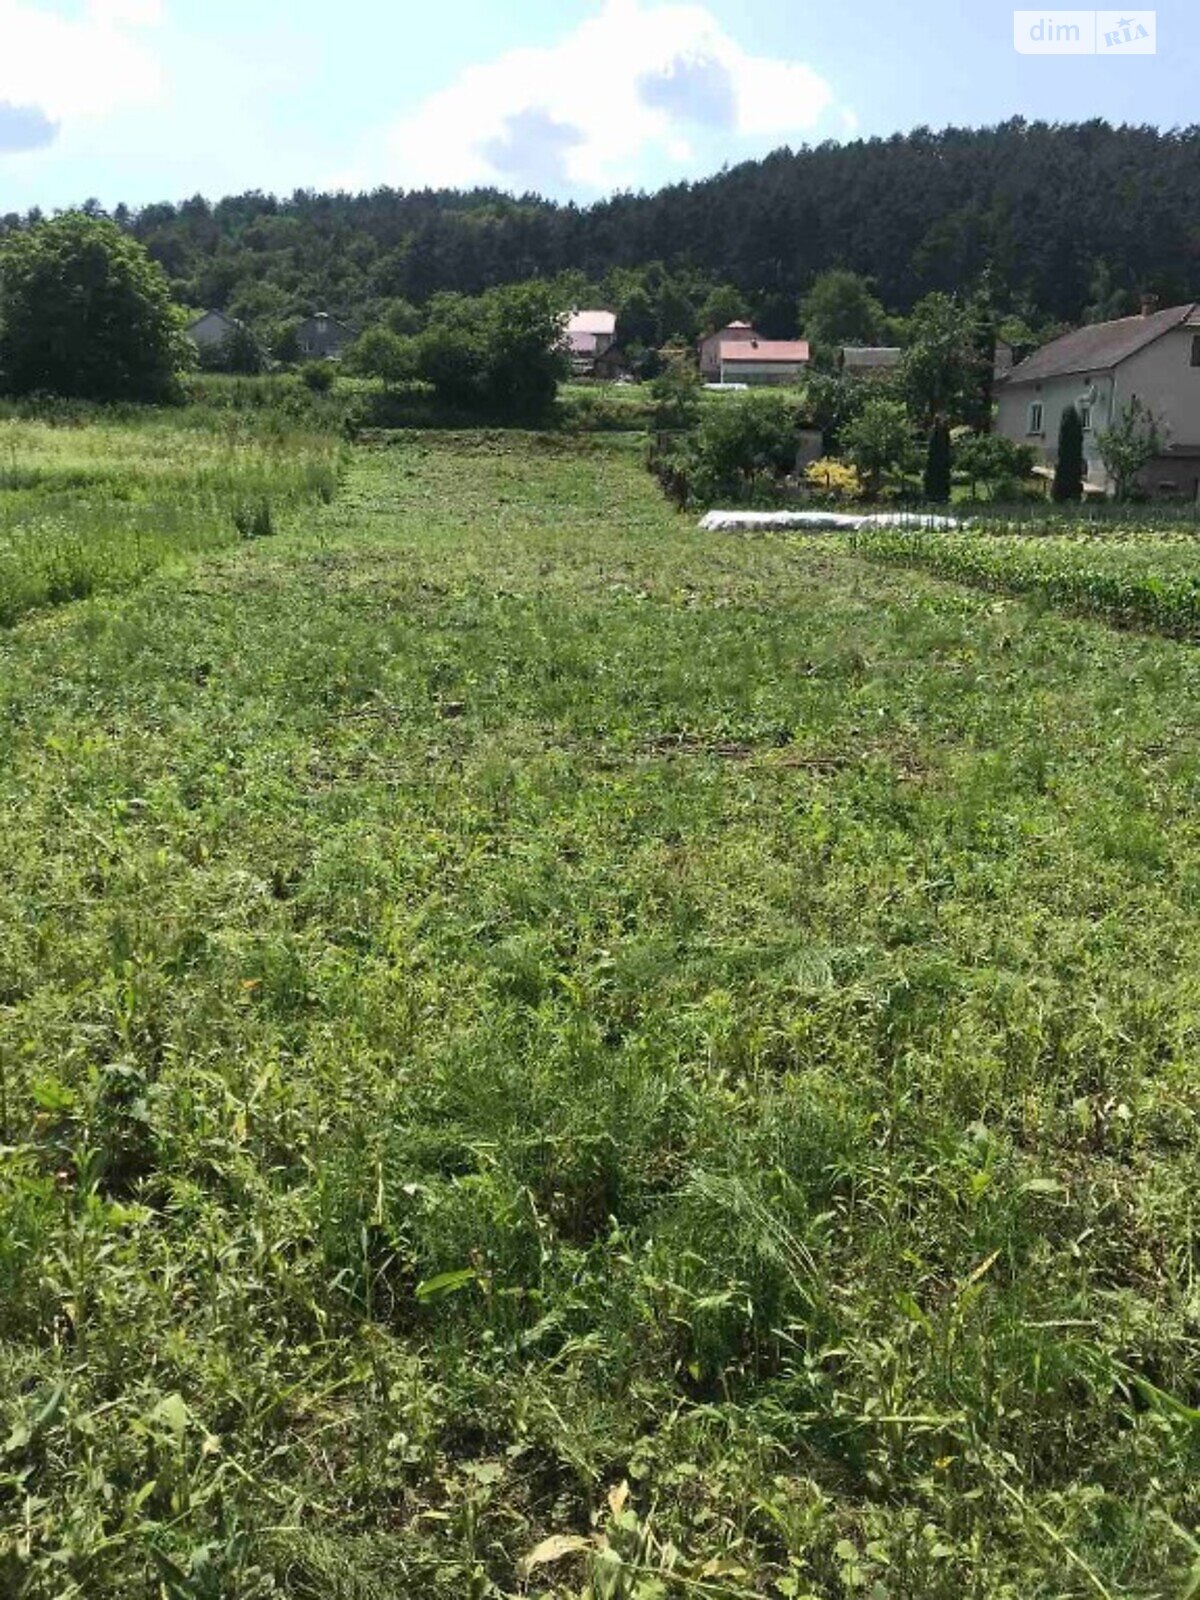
(76, 68)
(633, 83)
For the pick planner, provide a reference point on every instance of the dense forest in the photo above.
(1070, 220)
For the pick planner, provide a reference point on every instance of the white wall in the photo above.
(762, 372)
(1055, 395)
(1163, 377)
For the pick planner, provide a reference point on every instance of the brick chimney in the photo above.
(1149, 304)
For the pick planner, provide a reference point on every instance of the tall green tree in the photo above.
(940, 370)
(839, 309)
(938, 464)
(1068, 469)
(723, 305)
(84, 311)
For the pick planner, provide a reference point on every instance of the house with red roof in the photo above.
(736, 354)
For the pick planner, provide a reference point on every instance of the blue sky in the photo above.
(142, 100)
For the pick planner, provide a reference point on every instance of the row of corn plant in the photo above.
(1151, 584)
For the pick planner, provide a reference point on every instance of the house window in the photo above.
(1085, 417)
(1196, 349)
(1036, 416)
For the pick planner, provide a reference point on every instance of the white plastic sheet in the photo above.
(837, 521)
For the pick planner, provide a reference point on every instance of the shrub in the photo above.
(992, 462)
(380, 353)
(742, 443)
(500, 353)
(938, 464)
(837, 480)
(318, 376)
(879, 441)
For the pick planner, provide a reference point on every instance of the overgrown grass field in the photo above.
(546, 1053)
(90, 502)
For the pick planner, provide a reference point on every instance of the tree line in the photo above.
(1071, 221)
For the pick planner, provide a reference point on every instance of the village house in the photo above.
(322, 337)
(759, 362)
(1154, 357)
(212, 330)
(589, 336)
(870, 361)
(710, 348)
(736, 354)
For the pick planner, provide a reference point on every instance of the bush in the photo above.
(318, 376)
(879, 442)
(835, 480)
(741, 452)
(992, 462)
(500, 353)
(380, 353)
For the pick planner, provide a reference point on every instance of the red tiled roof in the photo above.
(794, 350)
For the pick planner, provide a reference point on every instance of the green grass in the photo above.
(93, 503)
(504, 997)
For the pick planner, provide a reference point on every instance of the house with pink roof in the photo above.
(589, 334)
(736, 354)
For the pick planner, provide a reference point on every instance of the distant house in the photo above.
(322, 337)
(870, 361)
(710, 348)
(760, 362)
(1098, 370)
(212, 329)
(589, 335)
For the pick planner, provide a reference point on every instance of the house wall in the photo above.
(762, 374)
(710, 349)
(1055, 395)
(319, 337)
(1163, 377)
(1172, 477)
(210, 330)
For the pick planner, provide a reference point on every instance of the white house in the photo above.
(1098, 370)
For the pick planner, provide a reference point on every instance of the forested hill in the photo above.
(1073, 220)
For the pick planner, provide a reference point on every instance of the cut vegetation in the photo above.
(545, 1053)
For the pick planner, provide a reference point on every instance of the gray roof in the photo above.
(1099, 347)
(875, 355)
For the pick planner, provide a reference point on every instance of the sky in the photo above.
(145, 100)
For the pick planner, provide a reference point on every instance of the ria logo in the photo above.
(1128, 31)
(1085, 33)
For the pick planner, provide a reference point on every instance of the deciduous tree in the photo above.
(84, 311)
